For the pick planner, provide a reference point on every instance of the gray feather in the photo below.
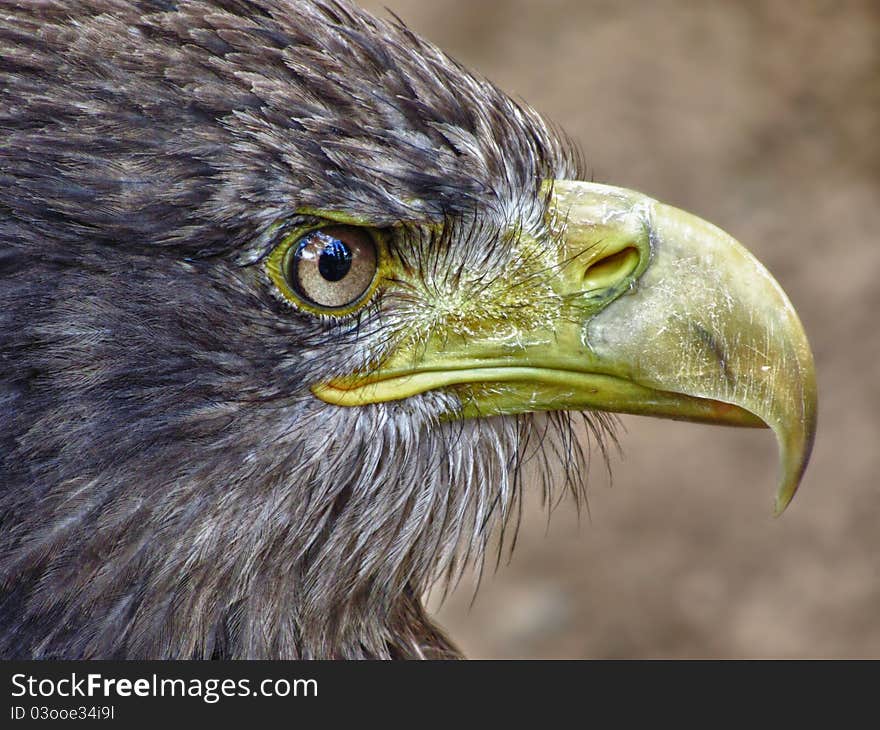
(170, 488)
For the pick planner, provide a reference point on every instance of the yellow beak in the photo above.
(660, 314)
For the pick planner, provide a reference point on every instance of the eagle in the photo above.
(293, 307)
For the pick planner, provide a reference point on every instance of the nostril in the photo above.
(612, 269)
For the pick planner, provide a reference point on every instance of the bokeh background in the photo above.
(763, 117)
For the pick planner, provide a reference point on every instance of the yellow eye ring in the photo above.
(332, 270)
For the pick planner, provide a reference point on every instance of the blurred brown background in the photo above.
(763, 117)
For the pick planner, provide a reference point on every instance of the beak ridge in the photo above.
(706, 319)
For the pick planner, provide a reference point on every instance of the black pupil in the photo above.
(334, 262)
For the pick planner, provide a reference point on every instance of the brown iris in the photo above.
(331, 267)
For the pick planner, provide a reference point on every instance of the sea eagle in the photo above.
(289, 303)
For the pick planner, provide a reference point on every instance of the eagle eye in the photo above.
(329, 270)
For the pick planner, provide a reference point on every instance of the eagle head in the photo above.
(292, 305)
